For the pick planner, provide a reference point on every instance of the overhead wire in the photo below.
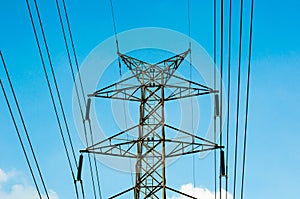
(77, 67)
(73, 76)
(24, 125)
(51, 92)
(95, 163)
(238, 101)
(115, 33)
(191, 75)
(221, 90)
(228, 95)
(247, 98)
(55, 81)
(77, 93)
(214, 77)
(91, 168)
(120, 71)
(74, 51)
(21, 142)
(114, 24)
(82, 90)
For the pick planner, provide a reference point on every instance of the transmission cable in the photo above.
(247, 98)
(21, 142)
(51, 93)
(238, 99)
(73, 49)
(72, 72)
(190, 66)
(120, 71)
(82, 89)
(221, 92)
(116, 36)
(228, 95)
(24, 125)
(91, 168)
(55, 81)
(214, 74)
(77, 94)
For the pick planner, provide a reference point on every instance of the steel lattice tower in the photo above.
(155, 141)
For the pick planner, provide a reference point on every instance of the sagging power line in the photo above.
(25, 130)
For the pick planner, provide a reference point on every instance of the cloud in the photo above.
(4, 176)
(12, 188)
(199, 192)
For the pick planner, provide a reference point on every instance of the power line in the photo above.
(116, 36)
(238, 99)
(120, 71)
(77, 93)
(73, 49)
(120, 66)
(114, 24)
(189, 26)
(247, 99)
(191, 74)
(91, 169)
(228, 95)
(24, 125)
(51, 92)
(55, 81)
(21, 142)
(60, 102)
(214, 65)
(221, 90)
(95, 164)
(82, 90)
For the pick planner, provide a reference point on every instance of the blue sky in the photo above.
(273, 160)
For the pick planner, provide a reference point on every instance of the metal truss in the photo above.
(152, 141)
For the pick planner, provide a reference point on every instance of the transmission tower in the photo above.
(154, 140)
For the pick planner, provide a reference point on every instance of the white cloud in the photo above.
(14, 189)
(5, 176)
(199, 192)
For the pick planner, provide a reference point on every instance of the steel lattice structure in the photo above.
(154, 140)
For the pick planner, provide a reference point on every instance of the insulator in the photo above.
(222, 162)
(79, 167)
(217, 111)
(88, 107)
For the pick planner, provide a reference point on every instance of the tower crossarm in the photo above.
(184, 143)
(121, 144)
(126, 89)
(124, 145)
(183, 88)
